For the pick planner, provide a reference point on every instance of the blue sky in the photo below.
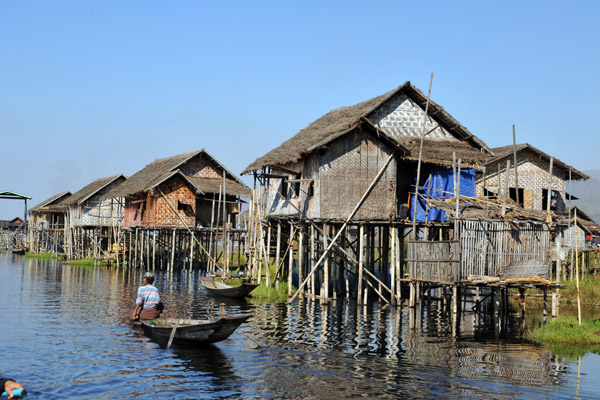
(95, 88)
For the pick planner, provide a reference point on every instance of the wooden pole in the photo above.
(515, 165)
(312, 261)
(225, 241)
(300, 255)
(325, 286)
(268, 267)
(505, 190)
(361, 251)
(416, 196)
(291, 260)
(172, 264)
(278, 251)
(358, 205)
(577, 269)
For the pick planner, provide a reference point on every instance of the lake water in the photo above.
(64, 336)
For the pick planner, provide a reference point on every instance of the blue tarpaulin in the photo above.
(442, 186)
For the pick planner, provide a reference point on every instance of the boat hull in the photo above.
(193, 331)
(221, 289)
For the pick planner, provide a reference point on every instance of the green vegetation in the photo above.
(263, 292)
(43, 256)
(566, 329)
(589, 290)
(87, 262)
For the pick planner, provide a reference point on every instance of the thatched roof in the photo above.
(57, 198)
(343, 120)
(88, 191)
(213, 185)
(507, 151)
(161, 169)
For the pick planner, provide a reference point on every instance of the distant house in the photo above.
(585, 233)
(180, 191)
(12, 224)
(88, 207)
(49, 214)
(533, 174)
(322, 172)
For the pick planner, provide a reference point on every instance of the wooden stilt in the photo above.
(291, 261)
(301, 257)
(325, 286)
(361, 251)
(278, 252)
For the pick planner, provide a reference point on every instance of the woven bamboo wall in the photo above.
(346, 170)
(489, 246)
(434, 261)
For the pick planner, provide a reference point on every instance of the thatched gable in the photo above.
(508, 151)
(159, 170)
(343, 120)
(57, 198)
(90, 190)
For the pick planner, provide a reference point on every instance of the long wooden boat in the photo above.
(222, 289)
(193, 331)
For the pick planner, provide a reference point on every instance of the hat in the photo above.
(148, 275)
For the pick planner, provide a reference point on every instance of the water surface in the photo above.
(65, 336)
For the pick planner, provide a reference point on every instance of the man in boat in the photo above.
(147, 302)
(8, 385)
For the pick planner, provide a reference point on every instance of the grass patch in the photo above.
(262, 292)
(87, 262)
(567, 330)
(43, 256)
(270, 294)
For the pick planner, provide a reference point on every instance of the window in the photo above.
(512, 193)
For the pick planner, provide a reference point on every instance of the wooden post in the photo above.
(172, 265)
(268, 266)
(393, 252)
(300, 255)
(577, 267)
(325, 286)
(312, 261)
(361, 258)
(291, 260)
(154, 250)
(225, 241)
(505, 191)
(278, 251)
(515, 162)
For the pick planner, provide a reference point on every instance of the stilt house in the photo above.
(349, 179)
(180, 191)
(92, 222)
(48, 215)
(47, 224)
(322, 172)
(536, 173)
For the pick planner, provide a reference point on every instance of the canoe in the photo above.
(193, 331)
(221, 289)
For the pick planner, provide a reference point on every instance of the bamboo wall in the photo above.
(489, 246)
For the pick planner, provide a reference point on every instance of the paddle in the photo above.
(173, 333)
(16, 393)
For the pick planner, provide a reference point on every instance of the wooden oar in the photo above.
(173, 333)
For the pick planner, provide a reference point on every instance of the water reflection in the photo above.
(73, 343)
